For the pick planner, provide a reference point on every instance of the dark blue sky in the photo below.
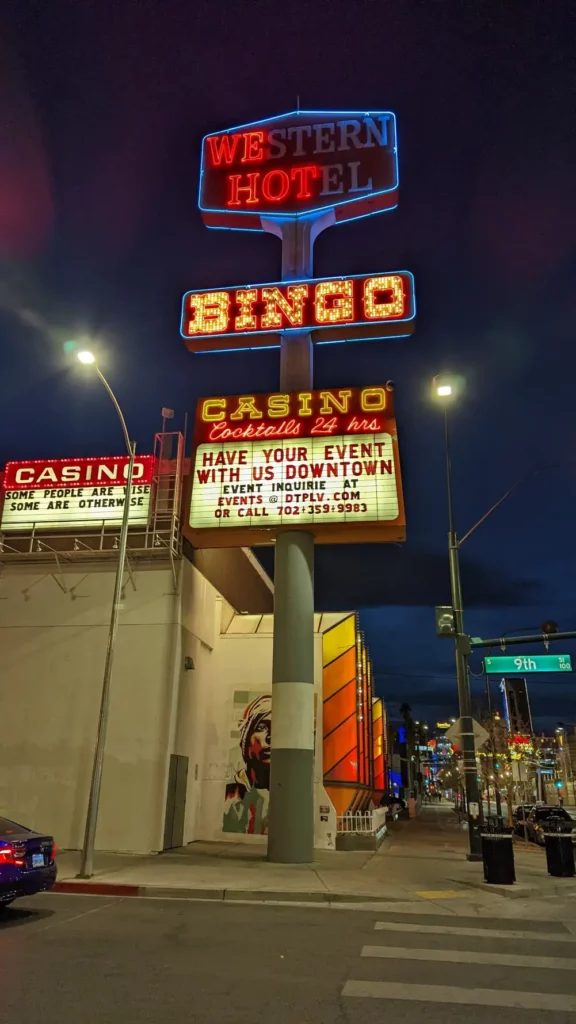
(102, 109)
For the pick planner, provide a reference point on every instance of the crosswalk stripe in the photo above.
(462, 956)
(489, 933)
(462, 996)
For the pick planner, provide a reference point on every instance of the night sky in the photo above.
(102, 109)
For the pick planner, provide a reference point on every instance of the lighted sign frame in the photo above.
(373, 159)
(247, 480)
(84, 493)
(283, 302)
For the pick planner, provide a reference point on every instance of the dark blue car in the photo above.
(27, 862)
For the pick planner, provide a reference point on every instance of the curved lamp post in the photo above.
(87, 859)
(446, 388)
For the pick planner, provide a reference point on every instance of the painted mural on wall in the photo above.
(247, 796)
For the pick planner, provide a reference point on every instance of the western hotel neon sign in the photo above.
(342, 308)
(300, 163)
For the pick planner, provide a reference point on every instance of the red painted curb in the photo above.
(97, 888)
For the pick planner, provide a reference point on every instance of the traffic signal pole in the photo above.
(534, 638)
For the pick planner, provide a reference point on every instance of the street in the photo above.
(67, 958)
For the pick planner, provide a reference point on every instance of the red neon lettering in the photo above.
(324, 426)
(223, 148)
(283, 188)
(223, 431)
(253, 147)
(364, 426)
(302, 176)
(236, 188)
(275, 184)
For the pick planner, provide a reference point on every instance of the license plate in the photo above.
(37, 860)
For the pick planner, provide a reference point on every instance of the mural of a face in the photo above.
(258, 754)
(246, 800)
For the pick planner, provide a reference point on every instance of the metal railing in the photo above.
(362, 822)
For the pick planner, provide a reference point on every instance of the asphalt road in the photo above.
(87, 959)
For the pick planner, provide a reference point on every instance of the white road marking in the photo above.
(489, 933)
(463, 956)
(85, 913)
(461, 996)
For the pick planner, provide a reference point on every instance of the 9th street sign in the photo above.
(523, 663)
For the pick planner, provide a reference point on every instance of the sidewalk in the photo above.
(420, 862)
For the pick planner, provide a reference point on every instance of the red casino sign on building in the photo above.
(60, 494)
(305, 162)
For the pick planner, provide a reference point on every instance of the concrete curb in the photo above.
(520, 890)
(257, 895)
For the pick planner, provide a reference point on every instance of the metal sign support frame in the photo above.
(291, 817)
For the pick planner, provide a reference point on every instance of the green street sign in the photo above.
(528, 663)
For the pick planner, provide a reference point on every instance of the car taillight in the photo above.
(54, 851)
(8, 855)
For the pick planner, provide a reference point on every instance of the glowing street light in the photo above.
(86, 357)
(87, 860)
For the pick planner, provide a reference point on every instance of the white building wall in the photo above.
(52, 650)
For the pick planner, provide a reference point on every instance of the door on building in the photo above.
(176, 802)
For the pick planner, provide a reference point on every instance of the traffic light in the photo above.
(559, 784)
(444, 616)
(549, 626)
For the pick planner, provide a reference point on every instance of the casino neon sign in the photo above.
(305, 162)
(342, 309)
(325, 461)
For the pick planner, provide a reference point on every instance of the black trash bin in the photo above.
(559, 848)
(498, 854)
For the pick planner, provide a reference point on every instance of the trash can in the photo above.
(498, 854)
(559, 848)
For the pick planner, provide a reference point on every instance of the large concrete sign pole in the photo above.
(291, 816)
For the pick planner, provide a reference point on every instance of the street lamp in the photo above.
(446, 389)
(87, 859)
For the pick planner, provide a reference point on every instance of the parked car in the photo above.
(27, 862)
(521, 814)
(538, 818)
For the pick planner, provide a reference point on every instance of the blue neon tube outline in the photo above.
(319, 209)
(306, 280)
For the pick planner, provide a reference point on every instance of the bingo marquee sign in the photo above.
(60, 494)
(363, 306)
(323, 461)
